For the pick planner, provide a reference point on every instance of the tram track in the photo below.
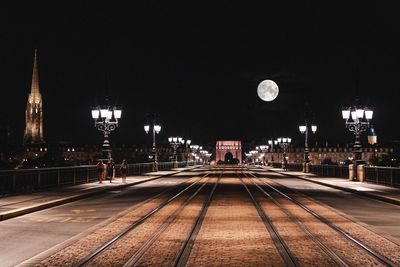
(283, 249)
(351, 239)
(75, 249)
(105, 246)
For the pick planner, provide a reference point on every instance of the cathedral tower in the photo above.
(34, 114)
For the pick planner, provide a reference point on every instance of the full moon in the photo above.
(267, 90)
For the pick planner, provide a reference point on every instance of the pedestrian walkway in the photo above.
(17, 205)
(380, 192)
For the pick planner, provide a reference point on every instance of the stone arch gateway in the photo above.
(224, 147)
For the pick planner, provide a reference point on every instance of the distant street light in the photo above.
(106, 120)
(195, 151)
(175, 142)
(357, 121)
(272, 143)
(304, 130)
(284, 143)
(187, 144)
(263, 149)
(156, 129)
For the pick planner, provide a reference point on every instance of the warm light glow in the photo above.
(147, 128)
(346, 114)
(289, 140)
(104, 113)
(360, 113)
(170, 139)
(368, 114)
(117, 113)
(175, 139)
(95, 113)
(188, 141)
(302, 128)
(313, 128)
(354, 115)
(279, 140)
(270, 142)
(157, 128)
(284, 139)
(109, 114)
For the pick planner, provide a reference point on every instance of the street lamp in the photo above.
(156, 129)
(304, 130)
(272, 143)
(284, 143)
(263, 149)
(106, 120)
(357, 121)
(175, 142)
(194, 149)
(187, 144)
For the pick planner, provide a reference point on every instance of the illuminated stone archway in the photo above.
(224, 147)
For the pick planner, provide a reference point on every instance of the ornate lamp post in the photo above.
(187, 144)
(357, 121)
(194, 149)
(253, 154)
(175, 142)
(156, 129)
(263, 149)
(284, 143)
(204, 156)
(272, 143)
(106, 120)
(304, 130)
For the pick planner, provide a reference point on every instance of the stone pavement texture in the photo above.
(17, 205)
(380, 192)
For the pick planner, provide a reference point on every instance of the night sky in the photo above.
(198, 66)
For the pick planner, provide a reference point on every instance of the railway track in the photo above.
(280, 244)
(150, 241)
(361, 245)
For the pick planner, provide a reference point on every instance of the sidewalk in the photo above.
(379, 192)
(13, 206)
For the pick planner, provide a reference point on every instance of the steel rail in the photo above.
(281, 246)
(383, 259)
(183, 256)
(313, 237)
(135, 224)
(161, 229)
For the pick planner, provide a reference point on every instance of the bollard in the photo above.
(306, 167)
(351, 172)
(361, 173)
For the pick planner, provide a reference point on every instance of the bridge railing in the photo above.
(29, 180)
(382, 175)
(378, 175)
(341, 171)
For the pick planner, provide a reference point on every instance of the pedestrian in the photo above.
(124, 168)
(100, 170)
(110, 169)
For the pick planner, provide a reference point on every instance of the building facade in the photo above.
(224, 150)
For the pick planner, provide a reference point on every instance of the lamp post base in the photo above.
(306, 167)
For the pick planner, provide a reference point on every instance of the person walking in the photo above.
(100, 170)
(124, 168)
(110, 169)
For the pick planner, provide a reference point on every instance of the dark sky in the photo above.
(198, 66)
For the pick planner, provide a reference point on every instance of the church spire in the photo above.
(35, 77)
(34, 114)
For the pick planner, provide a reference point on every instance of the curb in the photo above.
(361, 193)
(57, 202)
